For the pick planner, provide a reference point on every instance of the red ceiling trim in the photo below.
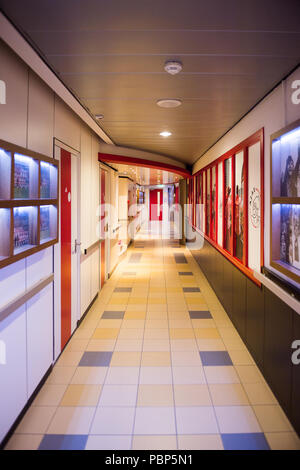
(107, 157)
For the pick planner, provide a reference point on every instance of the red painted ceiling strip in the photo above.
(106, 157)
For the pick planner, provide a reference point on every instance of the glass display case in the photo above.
(285, 201)
(28, 202)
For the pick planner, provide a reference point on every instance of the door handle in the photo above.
(77, 244)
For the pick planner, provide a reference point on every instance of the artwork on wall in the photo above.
(26, 225)
(233, 204)
(285, 201)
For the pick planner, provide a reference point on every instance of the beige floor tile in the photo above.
(118, 395)
(81, 395)
(131, 333)
(106, 323)
(131, 323)
(283, 440)
(125, 358)
(179, 322)
(61, 375)
(122, 376)
(157, 324)
(101, 345)
(69, 359)
(237, 419)
(50, 395)
(71, 420)
(36, 420)
(155, 375)
(155, 420)
(156, 333)
(24, 442)
(106, 333)
(155, 395)
(192, 395)
(260, 394)
(129, 345)
(89, 375)
(228, 394)
(185, 358)
(241, 358)
(183, 345)
(272, 418)
(83, 333)
(156, 358)
(188, 375)
(249, 374)
(210, 345)
(156, 345)
(154, 443)
(221, 375)
(75, 345)
(200, 442)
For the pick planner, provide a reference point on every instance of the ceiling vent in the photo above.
(173, 67)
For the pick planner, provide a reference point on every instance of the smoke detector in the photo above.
(173, 67)
(169, 103)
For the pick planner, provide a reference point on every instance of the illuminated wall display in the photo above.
(231, 189)
(28, 202)
(285, 201)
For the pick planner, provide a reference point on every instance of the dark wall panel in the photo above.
(296, 378)
(239, 292)
(255, 317)
(277, 347)
(227, 286)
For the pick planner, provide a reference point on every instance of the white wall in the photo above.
(274, 112)
(32, 117)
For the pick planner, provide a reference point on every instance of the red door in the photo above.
(156, 201)
(102, 229)
(65, 224)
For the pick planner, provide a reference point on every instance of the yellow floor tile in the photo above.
(181, 333)
(81, 395)
(206, 333)
(228, 394)
(106, 333)
(155, 395)
(159, 359)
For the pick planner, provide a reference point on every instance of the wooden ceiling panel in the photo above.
(111, 54)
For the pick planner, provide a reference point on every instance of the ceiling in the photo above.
(146, 176)
(111, 53)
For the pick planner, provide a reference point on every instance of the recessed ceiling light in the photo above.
(169, 103)
(173, 66)
(99, 116)
(165, 134)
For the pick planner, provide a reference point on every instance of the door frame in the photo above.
(57, 147)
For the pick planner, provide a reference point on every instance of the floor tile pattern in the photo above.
(155, 364)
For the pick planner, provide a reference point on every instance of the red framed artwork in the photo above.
(232, 191)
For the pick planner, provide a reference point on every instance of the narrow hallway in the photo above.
(156, 364)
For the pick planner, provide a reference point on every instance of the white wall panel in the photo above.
(39, 266)
(39, 336)
(13, 115)
(95, 273)
(254, 207)
(13, 369)
(85, 291)
(12, 281)
(66, 125)
(40, 116)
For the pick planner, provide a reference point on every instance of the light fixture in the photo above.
(99, 116)
(173, 66)
(165, 134)
(169, 103)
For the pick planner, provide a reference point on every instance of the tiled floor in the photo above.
(156, 364)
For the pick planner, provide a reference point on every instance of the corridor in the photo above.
(155, 364)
